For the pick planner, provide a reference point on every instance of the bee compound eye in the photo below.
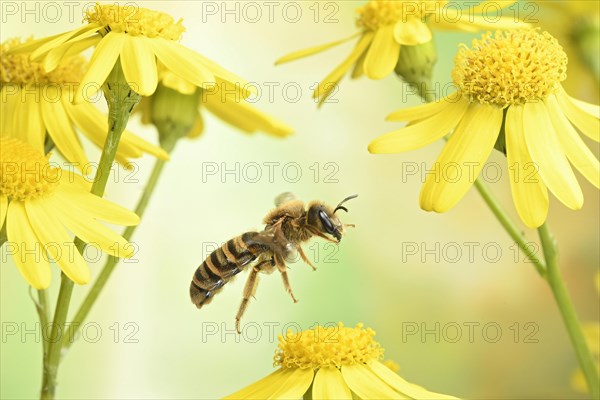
(326, 221)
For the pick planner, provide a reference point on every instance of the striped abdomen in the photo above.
(221, 265)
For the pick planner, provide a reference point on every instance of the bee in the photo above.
(289, 225)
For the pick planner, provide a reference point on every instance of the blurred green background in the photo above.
(144, 339)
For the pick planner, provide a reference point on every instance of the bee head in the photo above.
(324, 220)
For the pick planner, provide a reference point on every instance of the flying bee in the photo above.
(289, 225)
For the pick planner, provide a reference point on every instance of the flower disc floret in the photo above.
(25, 173)
(332, 346)
(510, 67)
(17, 68)
(136, 21)
(378, 13)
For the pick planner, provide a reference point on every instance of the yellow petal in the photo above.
(584, 121)
(60, 128)
(77, 198)
(29, 256)
(57, 54)
(411, 32)
(51, 233)
(266, 387)
(411, 390)
(313, 50)
(463, 158)
(183, 62)
(485, 5)
(367, 385)
(28, 119)
(44, 46)
(139, 65)
(295, 386)
(329, 83)
(198, 127)
(245, 117)
(478, 22)
(589, 108)
(424, 132)
(137, 142)
(28, 47)
(359, 66)
(170, 80)
(102, 62)
(88, 229)
(424, 110)
(3, 209)
(12, 103)
(550, 158)
(329, 384)
(383, 53)
(528, 190)
(224, 74)
(10, 95)
(124, 162)
(232, 90)
(575, 149)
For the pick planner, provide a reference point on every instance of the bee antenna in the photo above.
(340, 207)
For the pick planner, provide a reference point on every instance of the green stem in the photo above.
(510, 227)
(54, 345)
(41, 306)
(586, 360)
(167, 144)
(120, 99)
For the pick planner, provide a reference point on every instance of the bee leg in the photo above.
(319, 234)
(249, 290)
(280, 262)
(306, 260)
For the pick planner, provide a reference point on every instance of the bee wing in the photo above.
(272, 238)
(264, 238)
(284, 198)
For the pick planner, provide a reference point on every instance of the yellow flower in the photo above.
(333, 362)
(576, 25)
(386, 25)
(40, 205)
(142, 40)
(591, 331)
(35, 103)
(510, 79)
(221, 100)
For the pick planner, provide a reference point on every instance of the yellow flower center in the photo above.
(377, 13)
(18, 69)
(510, 67)
(135, 21)
(332, 346)
(25, 173)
